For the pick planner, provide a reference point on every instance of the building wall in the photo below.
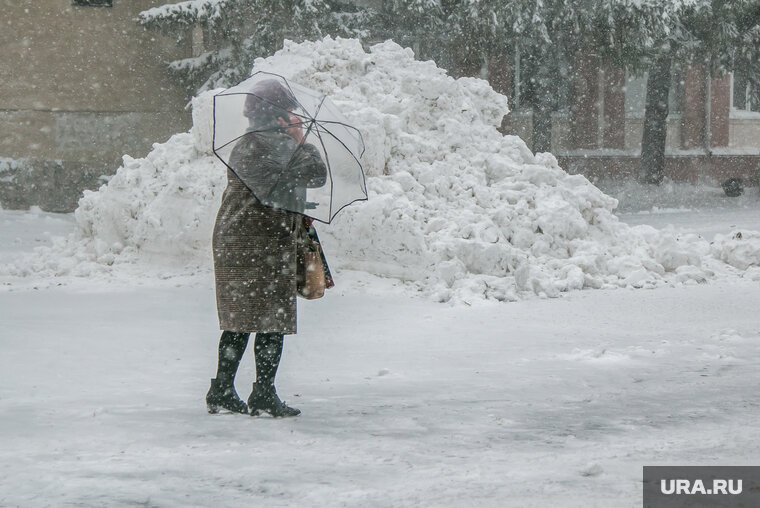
(679, 168)
(744, 131)
(600, 135)
(81, 87)
(520, 124)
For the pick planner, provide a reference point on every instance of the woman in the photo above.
(255, 246)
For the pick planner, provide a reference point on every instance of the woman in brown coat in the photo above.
(255, 247)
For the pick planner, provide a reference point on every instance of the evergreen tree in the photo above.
(430, 27)
(545, 36)
(720, 35)
(553, 36)
(235, 32)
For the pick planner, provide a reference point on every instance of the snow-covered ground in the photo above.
(406, 402)
(701, 208)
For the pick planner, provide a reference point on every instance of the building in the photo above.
(82, 84)
(713, 125)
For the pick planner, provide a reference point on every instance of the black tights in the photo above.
(267, 351)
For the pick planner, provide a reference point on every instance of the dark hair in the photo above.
(268, 99)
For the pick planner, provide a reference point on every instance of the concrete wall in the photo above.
(81, 86)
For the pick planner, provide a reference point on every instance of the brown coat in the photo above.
(255, 245)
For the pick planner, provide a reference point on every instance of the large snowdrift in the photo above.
(455, 207)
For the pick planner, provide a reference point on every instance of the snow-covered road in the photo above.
(406, 402)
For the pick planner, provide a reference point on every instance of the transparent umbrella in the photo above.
(291, 146)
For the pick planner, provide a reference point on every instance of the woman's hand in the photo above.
(293, 127)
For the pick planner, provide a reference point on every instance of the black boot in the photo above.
(264, 399)
(222, 394)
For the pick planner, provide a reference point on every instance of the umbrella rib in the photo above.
(292, 93)
(327, 157)
(299, 146)
(344, 124)
(342, 207)
(233, 171)
(329, 172)
(361, 138)
(306, 116)
(312, 121)
(213, 129)
(301, 143)
(332, 182)
(319, 107)
(215, 148)
(287, 83)
(347, 149)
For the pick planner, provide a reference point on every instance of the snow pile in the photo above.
(454, 206)
(157, 212)
(741, 249)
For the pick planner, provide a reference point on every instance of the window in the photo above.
(523, 79)
(677, 95)
(636, 93)
(746, 93)
(92, 3)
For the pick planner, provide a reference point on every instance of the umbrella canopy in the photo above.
(290, 145)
